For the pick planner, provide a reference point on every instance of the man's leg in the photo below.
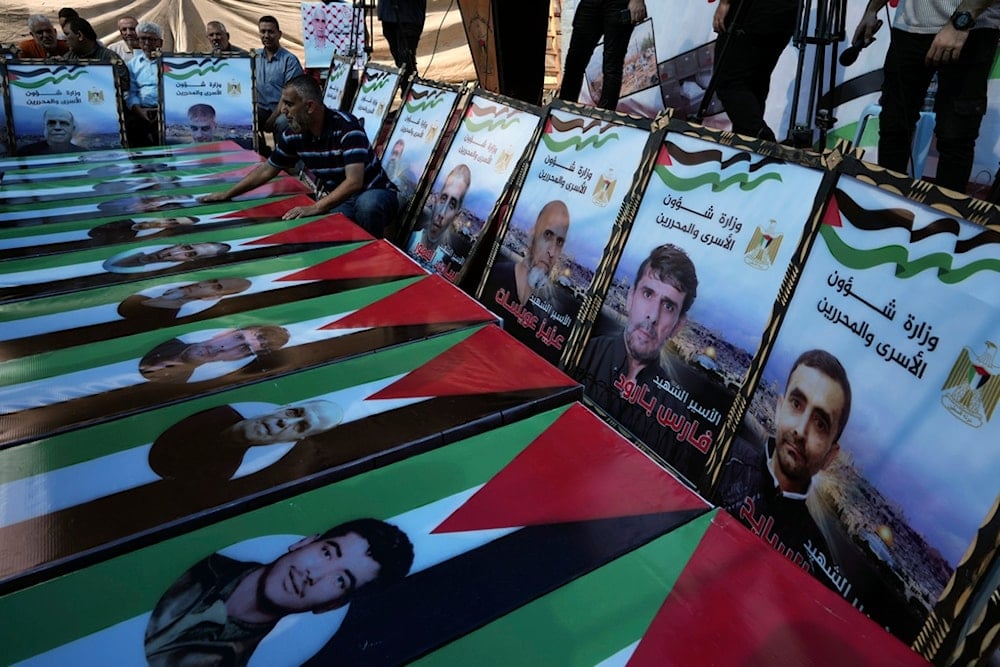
(737, 62)
(903, 91)
(770, 49)
(409, 36)
(960, 106)
(390, 30)
(373, 210)
(587, 30)
(617, 33)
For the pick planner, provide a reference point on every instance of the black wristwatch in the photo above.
(962, 20)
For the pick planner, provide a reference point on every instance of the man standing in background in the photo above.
(402, 25)
(43, 42)
(613, 20)
(752, 35)
(274, 67)
(958, 40)
(130, 38)
(218, 37)
(142, 120)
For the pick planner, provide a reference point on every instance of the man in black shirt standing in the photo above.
(752, 35)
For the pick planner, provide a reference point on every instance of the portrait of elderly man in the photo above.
(127, 229)
(149, 259)
(768, 483)
(201, 122)
(44, 41)
(231, 441)
(194, 358)
(59, 127)
(534, 273)
(439, 215)
(218, 611)
(166, 303)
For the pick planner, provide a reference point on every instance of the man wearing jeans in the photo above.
(613, 20)
(957, 40)
(334, 148)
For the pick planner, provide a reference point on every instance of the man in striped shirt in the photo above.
(334, 149)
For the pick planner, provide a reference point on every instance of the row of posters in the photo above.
(657, 263)
(65, 108)
(670, 273)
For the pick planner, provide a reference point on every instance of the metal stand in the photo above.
(828, 31)
(363, 20)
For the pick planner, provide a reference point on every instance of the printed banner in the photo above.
(186, 196)
(125, 375)
(415, 136)
(670, 606)
(560, 224)
(515, 499)
(61, 191)
(330, 29)
(674, 336)
(207, 98)
(41, 165)
(337, 80)
(101, 267)
(63, 108)
(56, 238)
(376, 92)
(850, 456)
(107, 484)
(476, 172)
(34, 327)
(53, 176)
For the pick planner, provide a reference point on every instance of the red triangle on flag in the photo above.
(664, 157)
(274, 209)
(286, 185)
(336, 227)
(486, 362)
(740, 602)
(578, 469)
(428, 301)
(831, 216)
(380, 259)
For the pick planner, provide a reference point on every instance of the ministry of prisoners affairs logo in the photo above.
(762, 249)
(973, 386)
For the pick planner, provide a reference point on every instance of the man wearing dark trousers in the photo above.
(402, 24)
(958, 40)
(613, 20)
(752, 35)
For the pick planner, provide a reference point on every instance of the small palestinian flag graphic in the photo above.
(762, 249)
(972, 388)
